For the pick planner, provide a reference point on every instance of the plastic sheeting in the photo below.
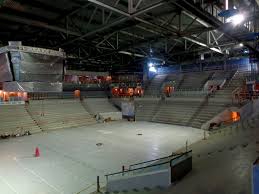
(255, 179)
(128, 109)
(5, 69)
(34, 67)
(32, 87)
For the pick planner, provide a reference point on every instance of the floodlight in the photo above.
(152, 69)
(236, 19)
(151, 64)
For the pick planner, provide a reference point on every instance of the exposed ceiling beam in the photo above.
(101, 29)
(110, 7)
(139, 55)
(115, 23)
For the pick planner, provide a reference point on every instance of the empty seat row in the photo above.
(99, 105)
(15, 120)
(55, 114)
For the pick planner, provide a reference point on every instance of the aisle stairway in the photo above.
(225, 94)
(99, 105)
(194, 81)
(205, 113)
(154, 88)
(146, 108)
(175, 79)
(14, 120)
(56, 114)
(175, 112)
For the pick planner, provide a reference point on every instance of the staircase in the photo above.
(205, 113)
(225, 94)
(15, 120)
(154, 88)
(58, 114)
(86, 107)
(33, 118)
(145, 109)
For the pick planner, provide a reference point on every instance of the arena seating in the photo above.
(175, 79)
(225, 94)
(194, 81)
(68, 95)
(99, 105)
(15, 120)
(205, 113)
(175, 112)
(188, 106)
(146, 108)
(193, 112)
(154, 87)
(94, 94)
(222, 75)
(59, 113)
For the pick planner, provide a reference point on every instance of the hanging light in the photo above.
(236, 19)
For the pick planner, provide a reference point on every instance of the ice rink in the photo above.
(70, 160)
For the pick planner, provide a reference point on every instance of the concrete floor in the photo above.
(221, 164)
(70, 159)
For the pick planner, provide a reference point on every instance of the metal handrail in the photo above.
(154, 160)
(127, 171)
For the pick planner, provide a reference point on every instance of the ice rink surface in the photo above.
(70, 160)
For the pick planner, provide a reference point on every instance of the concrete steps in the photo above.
(154, 88)
(56, 114)
(99, 105)
(15, 120)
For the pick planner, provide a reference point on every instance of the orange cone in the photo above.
(37, 152)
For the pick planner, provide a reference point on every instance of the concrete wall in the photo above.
(150, 180)
(250, 109)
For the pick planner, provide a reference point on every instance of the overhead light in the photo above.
(246, 51)
(241, 44)
(152, 69)
(236, 19)
(151, 65)
(131, 54)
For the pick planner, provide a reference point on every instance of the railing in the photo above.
(191, 92)
(235, 95)
(66, 95)
(166, 163)
(151, 162)
(240, 96)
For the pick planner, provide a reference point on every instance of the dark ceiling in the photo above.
(122, 34)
